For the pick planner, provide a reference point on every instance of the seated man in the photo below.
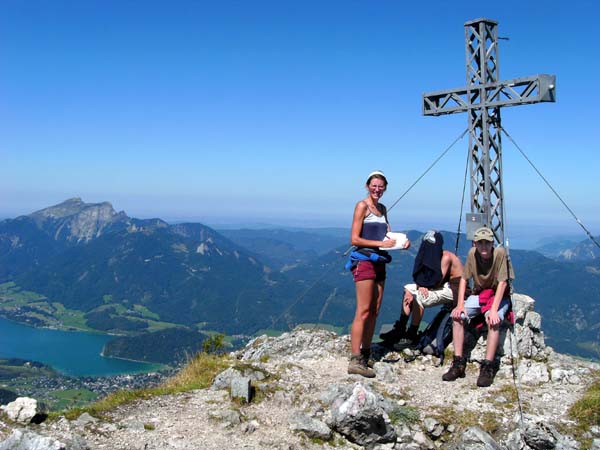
(488, 267)
(436, 275)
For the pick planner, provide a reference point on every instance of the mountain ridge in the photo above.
(134, 276)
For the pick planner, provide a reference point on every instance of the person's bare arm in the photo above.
(460, 306)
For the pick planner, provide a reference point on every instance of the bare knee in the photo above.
(458, 322)
(364, 314)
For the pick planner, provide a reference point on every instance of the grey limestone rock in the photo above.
(361, 419)
(433, 427)
(532, 372)
(313, 428)
(559, 375)
(542, 436)
(522, 304)
(241, 388)
(422, 440)
(533, 320)
(28, 440)
(22, 410)
(525, 342)
(84, 419)
(474, 438)
(238, 381)
(223, 380)
(404, 433)
(335, 391)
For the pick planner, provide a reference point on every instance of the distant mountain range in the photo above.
(89, 258)
(570, 250)
(87, 266)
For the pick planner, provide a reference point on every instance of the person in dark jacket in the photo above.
(436, 276)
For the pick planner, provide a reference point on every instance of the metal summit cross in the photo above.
(482, 99)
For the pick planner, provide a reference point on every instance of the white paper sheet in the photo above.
(400, 239)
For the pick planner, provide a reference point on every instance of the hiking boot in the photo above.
(395, 334)
(358, 366)
(457, 369)
(366, 357)
(486, 373)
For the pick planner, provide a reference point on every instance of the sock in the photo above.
(412, 331)
(402, 321)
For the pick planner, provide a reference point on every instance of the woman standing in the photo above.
(369, 228)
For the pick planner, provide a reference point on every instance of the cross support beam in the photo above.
(518, 91)
(482, 99)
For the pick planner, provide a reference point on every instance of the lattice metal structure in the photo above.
(482, 99)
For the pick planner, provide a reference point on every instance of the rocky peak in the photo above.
(305, 399)
(76, 221)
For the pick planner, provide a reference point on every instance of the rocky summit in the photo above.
(293, 392)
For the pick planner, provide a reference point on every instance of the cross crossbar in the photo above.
(518, 91)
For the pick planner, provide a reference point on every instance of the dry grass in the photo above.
(486, 420)
(199, 373)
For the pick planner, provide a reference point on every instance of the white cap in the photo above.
(376, 172)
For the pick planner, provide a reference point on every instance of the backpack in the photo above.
(438, 334)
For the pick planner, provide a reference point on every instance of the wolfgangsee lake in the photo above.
(69, 352)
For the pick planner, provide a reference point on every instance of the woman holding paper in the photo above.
(369, 229)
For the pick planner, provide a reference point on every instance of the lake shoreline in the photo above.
(84, 357)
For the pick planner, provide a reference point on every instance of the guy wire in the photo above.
(277, 319)
(551, 188)
(430, 167)
(421, 176)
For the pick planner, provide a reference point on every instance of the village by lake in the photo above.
(71, 353)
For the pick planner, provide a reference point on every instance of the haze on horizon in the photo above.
(272, 112)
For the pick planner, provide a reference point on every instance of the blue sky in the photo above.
(275, 111)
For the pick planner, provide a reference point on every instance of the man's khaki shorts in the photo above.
(435, 297)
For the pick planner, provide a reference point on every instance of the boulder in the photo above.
(474, 438)
(223, 380)
(313, 428)
(28, 440)
(361, 419)
(522, 304)
(22, 410)
(532, 372)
